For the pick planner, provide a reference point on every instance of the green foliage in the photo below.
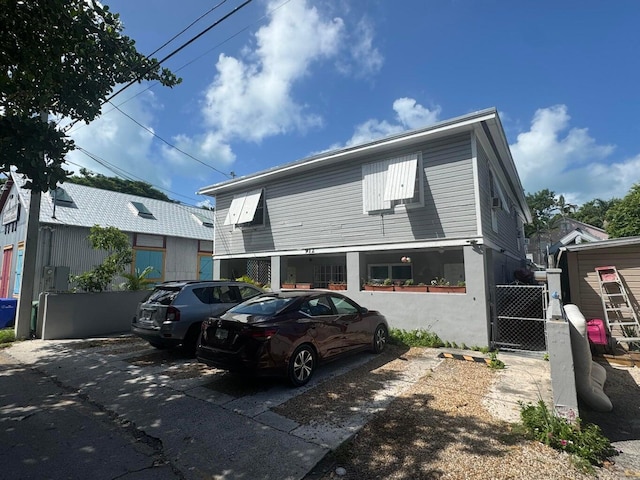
(7, 335)
(494, 361)
(116, 243)
(542, 205)
(137, 280)
(594, 212)
(624, 217)
(408, 282)
(584, 440)
(61, 57)
(249, 280)
(441, 282)
(116, 184)
(387, 281)
(414, 338)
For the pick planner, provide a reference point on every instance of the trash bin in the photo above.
(7, 312)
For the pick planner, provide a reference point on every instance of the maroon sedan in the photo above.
(289, 333)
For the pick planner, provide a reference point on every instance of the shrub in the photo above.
(494, 361)
(7, 335)
(586, 441)
(415, 338)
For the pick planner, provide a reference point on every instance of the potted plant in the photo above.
(304, 285)
(288, 285)
(410, 286)
(442, 285)
(386, 286)
(337, 285)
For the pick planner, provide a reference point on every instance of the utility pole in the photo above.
(29, 277)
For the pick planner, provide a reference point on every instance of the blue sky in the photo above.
(283, 79)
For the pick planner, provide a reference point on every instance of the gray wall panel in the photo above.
(324, 208)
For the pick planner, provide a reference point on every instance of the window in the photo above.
(396, 272)
(323, 275)
(61, 197)
(246, 210)
(17, 282)
(153, 258)
(343, 306)
(203, 220)
(317, 307)
(391, 183)
(140, 210)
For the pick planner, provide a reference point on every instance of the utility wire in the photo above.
(123, 173)
(186, 28)
(171, 145)
(181, 47)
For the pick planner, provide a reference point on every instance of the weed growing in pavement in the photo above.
(494, 361)
(7, 336)
(586, 441)
(415, 338)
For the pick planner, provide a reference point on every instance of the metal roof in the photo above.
(93, 206)
(486, 120)
(616, 242)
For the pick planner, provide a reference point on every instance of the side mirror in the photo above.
(364, 310)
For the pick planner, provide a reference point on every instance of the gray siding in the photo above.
(506, 236)
(324, 207)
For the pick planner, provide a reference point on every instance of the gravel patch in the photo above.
(440, 429)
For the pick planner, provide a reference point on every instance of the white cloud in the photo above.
(568, 161)
(364, 58)
(252, 99)
(115, 139)
(409, 115)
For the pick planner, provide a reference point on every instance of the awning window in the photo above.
(401, 179)
(243, 209)
(391, 182)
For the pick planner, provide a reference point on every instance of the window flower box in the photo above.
(447, 289)
(337, 286)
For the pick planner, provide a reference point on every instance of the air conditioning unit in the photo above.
(496, 202)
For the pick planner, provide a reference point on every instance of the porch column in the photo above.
(216, 269)
(353, 271)
(276, 272)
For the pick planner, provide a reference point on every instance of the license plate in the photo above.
(221, 334)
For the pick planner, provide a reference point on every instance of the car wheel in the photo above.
(380, 338)
(302, 364)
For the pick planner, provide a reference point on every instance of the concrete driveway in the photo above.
(118, 408)
(167, 416)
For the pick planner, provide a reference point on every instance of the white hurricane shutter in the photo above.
(374, 176)
(235, 209)
(401, 178)
(251, 202)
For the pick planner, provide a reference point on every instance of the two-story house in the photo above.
(442, 202)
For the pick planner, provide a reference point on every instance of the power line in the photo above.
(123, 173)
(186, 28)
(170, 144)
(181, 47)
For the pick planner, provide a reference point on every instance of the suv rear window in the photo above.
(163, 295)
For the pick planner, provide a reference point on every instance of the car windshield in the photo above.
(265, 305)
(163, 295)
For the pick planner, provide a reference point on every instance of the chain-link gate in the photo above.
(259, 270)
(520, 318)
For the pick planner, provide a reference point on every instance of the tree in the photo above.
(623, 219)
(63, 58)
(594, 212)
(115, 184)
(542, 205)
(120, 254)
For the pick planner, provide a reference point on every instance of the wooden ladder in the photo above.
(620, 316)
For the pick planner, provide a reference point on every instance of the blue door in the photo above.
(205, 268)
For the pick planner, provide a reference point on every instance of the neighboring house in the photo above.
(580, 280)
(176, 240)
(540, 246)
(443, 201)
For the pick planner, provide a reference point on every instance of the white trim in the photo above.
(460, 242)
(476, 182)
(259, 177)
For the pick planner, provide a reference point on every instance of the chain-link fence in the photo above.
(519, 322)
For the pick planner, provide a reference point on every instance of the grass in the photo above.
(7, 337)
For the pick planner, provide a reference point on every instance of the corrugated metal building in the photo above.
(175, 239)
